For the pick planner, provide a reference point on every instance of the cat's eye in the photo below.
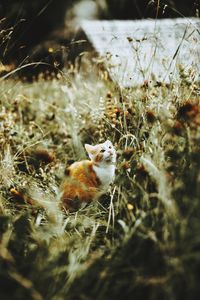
(102, 150)
(110, 147)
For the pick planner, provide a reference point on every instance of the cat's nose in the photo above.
(111, 152)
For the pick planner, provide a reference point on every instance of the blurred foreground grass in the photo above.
(141, 240)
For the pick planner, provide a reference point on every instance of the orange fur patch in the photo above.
(82, 184)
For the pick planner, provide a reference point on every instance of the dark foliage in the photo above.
(137, 9)
(34, 20)
(25, 25)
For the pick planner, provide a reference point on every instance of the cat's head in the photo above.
(102, 153)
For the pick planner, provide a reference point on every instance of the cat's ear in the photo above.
(108, 143)
(91, 150)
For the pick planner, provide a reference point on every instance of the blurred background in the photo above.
(43, 29)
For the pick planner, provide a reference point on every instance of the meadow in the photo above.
(141, 239)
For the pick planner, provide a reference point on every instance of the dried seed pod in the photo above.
(141, 173)
(125, 165)
(20, 196)
(178, 128)
(127, 153)
(188, 111)
(150, 116)
(109, 94)
(43, 155)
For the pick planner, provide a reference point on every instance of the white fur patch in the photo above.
(105, 173)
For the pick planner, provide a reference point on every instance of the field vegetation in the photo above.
(141, 239)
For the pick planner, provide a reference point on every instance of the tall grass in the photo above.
(141, 240)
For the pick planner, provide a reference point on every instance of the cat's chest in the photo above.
(105, 174)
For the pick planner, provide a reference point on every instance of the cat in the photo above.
(86, 180)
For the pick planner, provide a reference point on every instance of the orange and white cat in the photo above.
(88, 179)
